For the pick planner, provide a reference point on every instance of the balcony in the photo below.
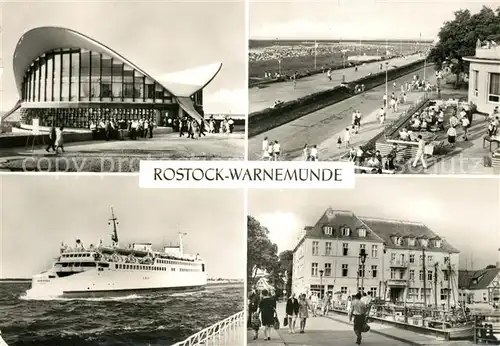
(445, 267)
(398, 263)
(397, 283)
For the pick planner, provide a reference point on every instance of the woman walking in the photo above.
(303, 312)
(59, 139)
(292, 310)
(267, 310)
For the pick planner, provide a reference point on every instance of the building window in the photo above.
(446, 260)
(429, 275)
(437, 243)
(362, 247)
(315, 247)
(345, 249)
(361, 271)
(345, 270)
(444, 294)
(445, 275)
(393, 273)
(346, 231)
(494, 94)
(314, 269)
(423, 242)
(430, 259)
(374, 271)
(372, 292)
(411, 241)
(412, 258)
(393, 257)
(421, 275)
(374, 251)
(328, 230)
(328, 248)
(328, 269)
(412, 275)
(475, 82)
(343, 290)
(362, 233)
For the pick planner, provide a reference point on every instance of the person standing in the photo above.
(347, 137)
(292, 311)
(59, 139)
(52, 138)
(265, 148)
(452, 135)
(314, 303)
(305, 152)
(314, 153)
(303, 312)
(276, 151)
(267, 311)
(465, 125)
(357, 313)
(420, 153)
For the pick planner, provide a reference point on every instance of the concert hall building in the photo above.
(68, 79)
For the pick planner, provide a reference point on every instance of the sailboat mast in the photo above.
(449, 280)
(114, 236)
(425, 278)
(435, 284)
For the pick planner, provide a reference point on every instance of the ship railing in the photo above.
(213, 335)
(487, 329)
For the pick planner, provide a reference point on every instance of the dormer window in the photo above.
(362, 233)
(396, 240)
(437, 243)
(328, 230)
(346, 231)
(424, 242)
(411, 241)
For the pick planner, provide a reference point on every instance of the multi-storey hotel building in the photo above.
(389, 259)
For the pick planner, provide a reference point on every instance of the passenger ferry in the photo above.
(116, 270)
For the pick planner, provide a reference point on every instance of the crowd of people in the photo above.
(284, 51)
(262, 312)
(108, 129)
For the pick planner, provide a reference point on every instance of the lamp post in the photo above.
(386, 86)
(362, 258)
(321, 284)
(382, 282)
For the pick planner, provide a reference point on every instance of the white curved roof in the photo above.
(41, 40)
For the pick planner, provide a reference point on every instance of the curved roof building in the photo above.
(66, 78)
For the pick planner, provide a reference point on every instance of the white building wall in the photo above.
(480, 97)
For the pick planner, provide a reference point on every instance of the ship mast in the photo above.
(114, 236)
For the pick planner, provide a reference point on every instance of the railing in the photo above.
(214, 334)
(398, 263)
(487, 329)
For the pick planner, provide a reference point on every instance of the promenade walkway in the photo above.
(169, 146)
(264, 96)
(335, 329)
(324, 126)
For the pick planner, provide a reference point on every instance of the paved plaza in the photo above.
(264, 96)
(335, 329)
(124, 156)
(323, 127)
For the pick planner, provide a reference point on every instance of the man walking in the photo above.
(357, 312)
(420, 153)
(52, 139)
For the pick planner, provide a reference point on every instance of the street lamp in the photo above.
(321, 284)
(362, 257)
(386, 86)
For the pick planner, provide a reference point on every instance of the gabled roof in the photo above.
(385, 228)
(477, 280)
(339, 219)
(38, 41)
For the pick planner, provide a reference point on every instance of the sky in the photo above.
(354, 19)
(463, 211)
(160, 37)
(38, 212)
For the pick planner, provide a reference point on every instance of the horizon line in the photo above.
(340, 39)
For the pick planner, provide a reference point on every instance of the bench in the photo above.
(491, 140)
(403, 154)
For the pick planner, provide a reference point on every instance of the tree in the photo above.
(286, 267)
(261, 252)
(458, 38)
(490, 266)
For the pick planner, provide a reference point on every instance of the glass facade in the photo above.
(81, 117)
(78, 75)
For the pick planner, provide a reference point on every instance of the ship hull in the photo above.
(128, 292)
(114, 281)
